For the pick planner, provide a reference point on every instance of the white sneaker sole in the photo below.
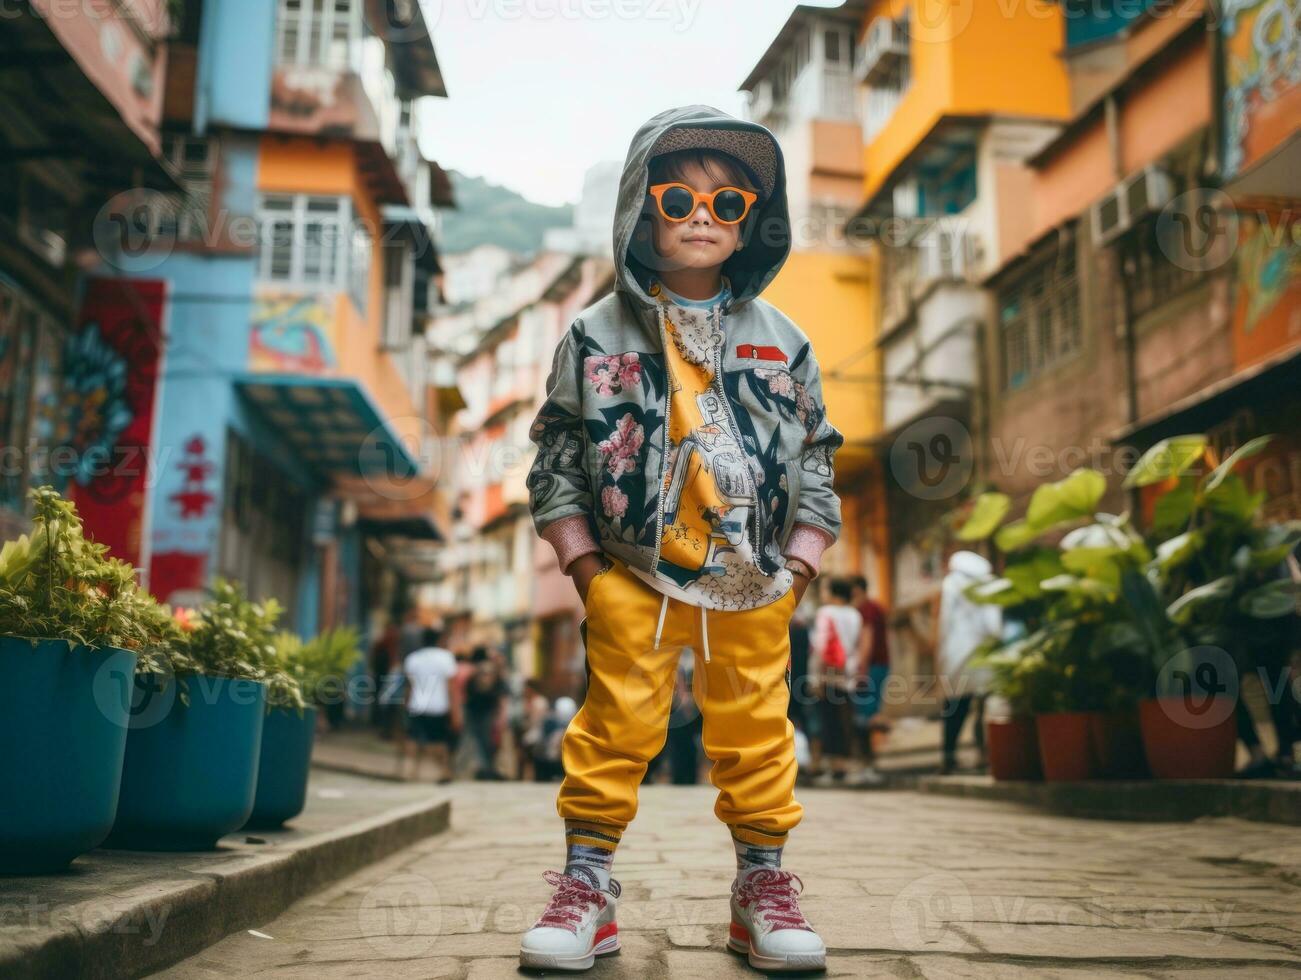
(607, 944)
(738, 941)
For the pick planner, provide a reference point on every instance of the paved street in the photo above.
(900, 885)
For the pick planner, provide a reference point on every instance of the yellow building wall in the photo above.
(305, 166)
(832, 297)
(970, 58)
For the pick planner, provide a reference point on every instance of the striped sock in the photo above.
(756, 849)
(589, 852)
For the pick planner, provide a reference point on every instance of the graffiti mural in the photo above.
(1267, 317)
(292, 334)
(101, 411)
(1262, 78)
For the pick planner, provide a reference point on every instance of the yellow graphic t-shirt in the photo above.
(706, 546)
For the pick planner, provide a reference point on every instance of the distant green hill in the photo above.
(489, 214)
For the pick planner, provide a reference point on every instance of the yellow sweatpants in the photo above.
(742, 692)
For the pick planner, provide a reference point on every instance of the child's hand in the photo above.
(584, 569)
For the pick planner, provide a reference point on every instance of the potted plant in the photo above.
(72, 634)
(193, 747)
(1012, 740)
(313, 668)
(1086, 665)
(1210, 600)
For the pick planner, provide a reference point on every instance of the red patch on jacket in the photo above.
(757, 353)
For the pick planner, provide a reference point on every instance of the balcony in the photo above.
(939, 254)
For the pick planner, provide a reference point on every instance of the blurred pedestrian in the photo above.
(800, 707)
(531, 713)
(961, 627)
(386, 679)
(485, 701)
(682, 741)
(869, 685)
(836, 649)
(549, 763)
(429, 672)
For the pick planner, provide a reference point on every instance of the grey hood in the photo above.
(766, 233)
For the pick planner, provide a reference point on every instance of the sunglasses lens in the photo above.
(729, 206)
(678, 203)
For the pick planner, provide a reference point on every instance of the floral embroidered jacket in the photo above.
(602, 476)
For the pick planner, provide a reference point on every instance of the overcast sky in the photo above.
(539, 90)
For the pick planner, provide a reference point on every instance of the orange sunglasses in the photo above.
(678, 202)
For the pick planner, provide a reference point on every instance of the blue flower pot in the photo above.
(190, 770)
(63, 728)
(287, 738)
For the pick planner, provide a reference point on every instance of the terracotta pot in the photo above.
(1180, 743)
(1118, 744)
(1013, 748)
(1064, 746)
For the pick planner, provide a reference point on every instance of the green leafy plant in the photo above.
(232, 636)
(55, 584)
(319, 665)
(1107, 608)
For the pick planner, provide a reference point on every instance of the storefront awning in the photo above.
(331, 423)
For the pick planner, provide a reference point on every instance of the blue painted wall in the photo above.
(236, 54)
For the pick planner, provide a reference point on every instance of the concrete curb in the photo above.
(1265, 801)
(215, 904)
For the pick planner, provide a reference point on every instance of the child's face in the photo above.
(700, 242)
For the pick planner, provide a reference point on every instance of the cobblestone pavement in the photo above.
(899, 885)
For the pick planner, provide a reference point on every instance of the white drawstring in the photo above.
(704, 632)
(659, 628)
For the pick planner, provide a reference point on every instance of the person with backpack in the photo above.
(836, 651)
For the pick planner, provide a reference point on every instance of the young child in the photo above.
(684, 478)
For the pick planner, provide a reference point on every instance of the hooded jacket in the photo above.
(597, 481)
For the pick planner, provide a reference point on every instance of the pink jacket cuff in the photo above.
(571, 537)
(807, 542)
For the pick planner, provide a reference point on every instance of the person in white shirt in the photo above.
(429, 672)
(836, 648)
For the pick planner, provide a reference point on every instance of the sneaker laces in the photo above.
(774, 895)
(569, 902)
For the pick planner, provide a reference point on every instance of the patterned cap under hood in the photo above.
(767, 232)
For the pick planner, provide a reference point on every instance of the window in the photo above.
(312, 240)
(399, 288)
(31, 378)
(831, 42)
(1151, 277)
(195, 160)
(1039, 316)
(318, 32)
(360, 248)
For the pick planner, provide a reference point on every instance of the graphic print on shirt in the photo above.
(710, 483)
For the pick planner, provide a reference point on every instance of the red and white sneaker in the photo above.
(768, 926)
(574, 929)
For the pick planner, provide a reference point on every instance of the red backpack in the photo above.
(833, 655)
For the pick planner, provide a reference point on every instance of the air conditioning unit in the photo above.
(882, 53)
(1131, 200)
(946, 253)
